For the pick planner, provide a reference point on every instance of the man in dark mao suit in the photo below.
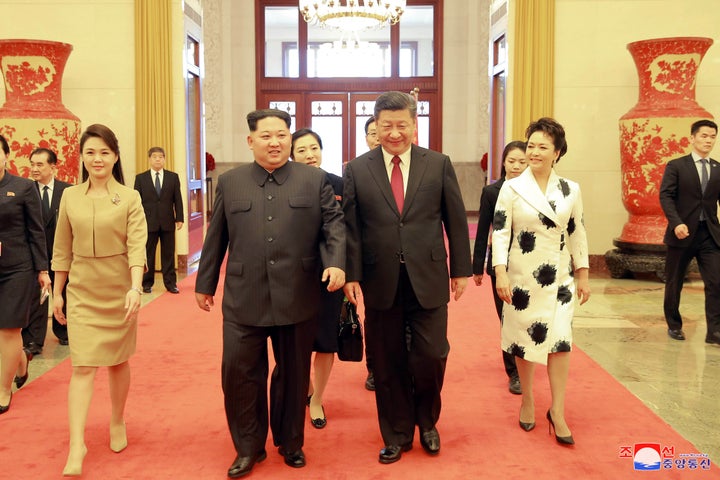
(43, 163)
(398, 263)
(164, 215)
(689, 195)
(282, 224)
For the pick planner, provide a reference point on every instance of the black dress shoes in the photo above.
(294, 459)
(713, 338)
(430, 441)
(370, 382)
(173, 290)
(243, 465)
(63, 341)
(33, 348)
(147, 289)
(514, 385)
(676, 334)
(392, 453)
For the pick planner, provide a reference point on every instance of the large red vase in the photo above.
(33, 114)
(657, 129)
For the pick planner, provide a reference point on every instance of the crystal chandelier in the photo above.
(352, 15)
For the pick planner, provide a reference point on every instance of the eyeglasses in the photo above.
(371, 134)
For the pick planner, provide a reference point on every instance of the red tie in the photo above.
(396, 183)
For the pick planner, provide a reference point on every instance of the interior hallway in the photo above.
(623, 330)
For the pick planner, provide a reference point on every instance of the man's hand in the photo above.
(178, 225)
(478, 279)
(458, 286)
(336, 277)
(353, 292)
(204, 301)
(682, 232)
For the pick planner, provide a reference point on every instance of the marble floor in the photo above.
(623, 330)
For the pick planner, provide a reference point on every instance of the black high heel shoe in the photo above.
(319, 422)
(526, 426)
(5, 408)
(20, 381)
(561, 440)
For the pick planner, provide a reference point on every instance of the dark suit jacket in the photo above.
(488, 200)
(377, 233)
(280, 235)
(21, 234)
(51, 223)
(682, 199)
(161, 212)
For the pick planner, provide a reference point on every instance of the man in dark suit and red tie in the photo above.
(397, 201)
(160, 193)
(689, 195)
(283, 233)
(43, 167)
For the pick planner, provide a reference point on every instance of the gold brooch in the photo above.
(116, 199)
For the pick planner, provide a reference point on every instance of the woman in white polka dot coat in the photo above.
(539, 252)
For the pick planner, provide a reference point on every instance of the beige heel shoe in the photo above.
(73, 467)
(118, 438)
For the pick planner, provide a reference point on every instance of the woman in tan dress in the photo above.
(100, 247)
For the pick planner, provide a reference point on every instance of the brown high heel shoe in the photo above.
(561, 440)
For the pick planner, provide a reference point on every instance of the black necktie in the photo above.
(157, 183)
(46, 203)
(704, 174)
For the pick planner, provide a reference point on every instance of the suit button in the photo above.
(269, 197)
(402, 224)
(272, 262)
(270, 239)
(269, 218)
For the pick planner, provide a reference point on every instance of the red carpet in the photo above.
(176, 424)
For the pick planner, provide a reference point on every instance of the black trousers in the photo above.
(244, 382)
(167, 258)
(409, 348)
(707, 254)
(36, 330)
(508, 359)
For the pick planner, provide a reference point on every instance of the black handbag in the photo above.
(350, 337)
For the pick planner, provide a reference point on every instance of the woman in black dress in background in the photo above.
(307, 149)
(23, 266)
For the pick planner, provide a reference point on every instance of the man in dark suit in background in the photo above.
(397, 199)
(689, 196)
(163, 205)
(43, 167)
(286, 234)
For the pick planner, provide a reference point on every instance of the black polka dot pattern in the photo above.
(546, 221)
(516, 350)
(564, 295)
(561, 346)
(564, 187)
(520, 298)
(545, 274)
(571, 226)
(553, 205)
(538, 332)
(499, 220)
(526, 240)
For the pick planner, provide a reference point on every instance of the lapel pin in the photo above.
(116, 199)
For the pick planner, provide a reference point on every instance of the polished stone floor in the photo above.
(623, 330)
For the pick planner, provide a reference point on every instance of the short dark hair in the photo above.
(367, 124)
(256, 115)
(301, 133)
(5, 146)
(551, 128)
(102, 132)
(514, 145)
(51, 156)
(702, 123)
(154, 150)
(395, 101)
